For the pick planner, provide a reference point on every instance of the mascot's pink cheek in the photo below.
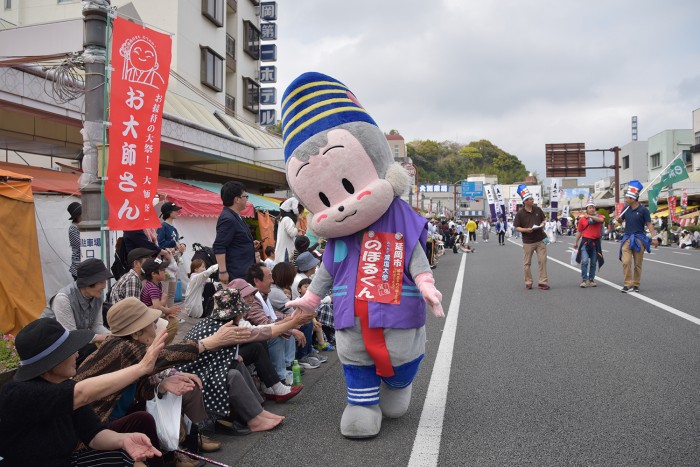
(321, 217)
(363, 194)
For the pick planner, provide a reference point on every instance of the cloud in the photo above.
(521, 74)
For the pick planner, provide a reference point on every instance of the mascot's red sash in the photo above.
(379, 274)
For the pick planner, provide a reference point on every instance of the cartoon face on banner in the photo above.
(137, 97)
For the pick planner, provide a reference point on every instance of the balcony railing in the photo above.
(230, 53)
(695, 149)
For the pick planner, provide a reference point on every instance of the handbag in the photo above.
(166, 411)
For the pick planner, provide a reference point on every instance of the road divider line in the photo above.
(637, 295)
(426, 445)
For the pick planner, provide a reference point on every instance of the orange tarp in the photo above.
(266, 224)
(21, 284)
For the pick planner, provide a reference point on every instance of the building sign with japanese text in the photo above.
(380, 271)
(139, 79)
(433, 188)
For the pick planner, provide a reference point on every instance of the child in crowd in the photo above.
(321, 343)
(270, 257)
(194, 300)
(152, 293)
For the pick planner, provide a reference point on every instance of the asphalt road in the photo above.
(567, 376)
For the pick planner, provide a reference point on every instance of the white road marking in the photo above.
(637, 295)
(426, 446)
(679, 253)
(671, 264)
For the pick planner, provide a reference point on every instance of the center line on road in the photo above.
(679, 253)
(426, 446)
(637, 295)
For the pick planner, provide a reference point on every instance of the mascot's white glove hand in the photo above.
(307, 304)
(426, 285)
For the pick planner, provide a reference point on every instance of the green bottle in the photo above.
(296, 374)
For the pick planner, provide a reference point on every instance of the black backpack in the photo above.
(206, 254)
(119, 265)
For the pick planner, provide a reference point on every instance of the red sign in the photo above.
(672, 209)
(380, 270)
(139, 79)
(684, 199)
(618, 209)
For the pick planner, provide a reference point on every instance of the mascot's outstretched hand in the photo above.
(432, 296)
(307, 304)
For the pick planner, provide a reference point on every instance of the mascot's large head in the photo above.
(339, 163)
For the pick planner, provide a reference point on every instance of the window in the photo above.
(214, 10)
(212, 69)
(626, 162)
(252, 95)
(252, 40)
(230, 105)
(396, 151)
(8, 4)
(655, 160)
(687, 157)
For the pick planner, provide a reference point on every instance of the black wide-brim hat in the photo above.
(43, 344)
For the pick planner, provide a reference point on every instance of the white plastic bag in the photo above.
(166, 411)
(574, 253)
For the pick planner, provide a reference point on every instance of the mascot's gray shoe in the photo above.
(361, 421)
(394, 402)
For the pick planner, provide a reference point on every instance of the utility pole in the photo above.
(94, 56)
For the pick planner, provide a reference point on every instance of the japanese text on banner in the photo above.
(140, 64)
(380, 271)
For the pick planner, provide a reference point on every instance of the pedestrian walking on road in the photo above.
(635, 240)
(501, 227)
(529, 221)
(590, 253)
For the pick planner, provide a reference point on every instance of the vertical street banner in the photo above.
(672, 210)
(619, 207)
(380, 272)
(501, 201)
(491, 198)
(554, 198)
(684, 199)
(139, 79)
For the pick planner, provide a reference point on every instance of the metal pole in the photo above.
(94, 55)
(617, 174)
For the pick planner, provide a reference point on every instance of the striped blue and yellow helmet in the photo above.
(313, 103)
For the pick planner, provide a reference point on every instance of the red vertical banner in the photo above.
(618, 209)
(380, 271)
(672, 209)
(684, 199)
(140, 71)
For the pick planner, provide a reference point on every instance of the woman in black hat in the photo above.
(44, 413)
(75, 210)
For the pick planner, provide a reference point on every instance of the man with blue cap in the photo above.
(530, 222)
(635, 239)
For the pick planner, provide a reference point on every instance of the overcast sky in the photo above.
(520, 73)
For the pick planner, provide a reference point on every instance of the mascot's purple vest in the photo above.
(341, 259)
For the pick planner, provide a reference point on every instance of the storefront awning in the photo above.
(664, 211)
(261, 203)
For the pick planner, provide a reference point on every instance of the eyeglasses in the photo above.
(244, 196)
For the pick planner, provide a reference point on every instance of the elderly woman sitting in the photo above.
(44, 413)
(225, 378)
(133, 327)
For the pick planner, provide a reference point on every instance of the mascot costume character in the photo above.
(340, 167)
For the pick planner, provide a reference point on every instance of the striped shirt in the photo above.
(74, 240)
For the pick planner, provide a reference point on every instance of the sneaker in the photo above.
(584, 285)
(635, 289)
(309, 362)
(281, 393)
(315, 354)
(592, 284)
(528, 286)
(626, 289)
(543, 286)
(326, 347)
